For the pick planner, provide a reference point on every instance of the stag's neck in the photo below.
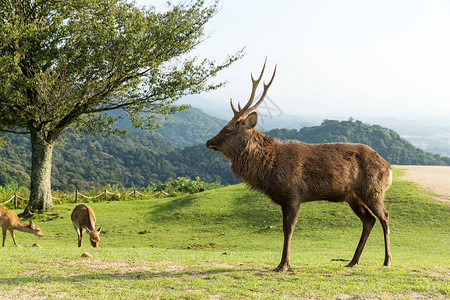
(254, 163)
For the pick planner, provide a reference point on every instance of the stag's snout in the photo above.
(210, 145)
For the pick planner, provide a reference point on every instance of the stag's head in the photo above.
(236, 134)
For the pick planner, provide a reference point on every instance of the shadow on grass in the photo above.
(256, 210)
(169, 210)
(133, 275)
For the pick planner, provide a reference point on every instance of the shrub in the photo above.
(184, 185)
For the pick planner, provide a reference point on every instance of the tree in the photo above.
(66, 64)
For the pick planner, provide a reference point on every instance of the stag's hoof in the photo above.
(281, 269)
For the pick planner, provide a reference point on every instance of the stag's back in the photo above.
(330, 172)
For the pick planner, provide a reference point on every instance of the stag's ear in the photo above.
(31, 224)
(251, 120)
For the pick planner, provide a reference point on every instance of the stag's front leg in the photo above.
(290, 216)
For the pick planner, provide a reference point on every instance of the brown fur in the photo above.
(83, 217)
(292, 172)
(10, 221)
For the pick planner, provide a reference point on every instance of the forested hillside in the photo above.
(188, 127)
(138, 159)
(386, 141)
(132, 160)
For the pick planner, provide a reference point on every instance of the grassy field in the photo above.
(223, 244)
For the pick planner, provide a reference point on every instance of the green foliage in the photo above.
(7, 192)
(52, 73)
(181, 186)
(386, 141)
(184, 185)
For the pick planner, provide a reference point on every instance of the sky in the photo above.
(335, 58)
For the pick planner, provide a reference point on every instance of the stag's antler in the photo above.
(242, 112)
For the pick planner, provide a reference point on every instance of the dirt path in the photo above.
(434, 178)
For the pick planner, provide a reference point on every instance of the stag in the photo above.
(292, 172)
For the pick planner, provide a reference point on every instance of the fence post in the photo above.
(76, 196)
(15, 200)
(134, 192)
(106, 195)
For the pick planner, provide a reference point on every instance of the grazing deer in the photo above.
(83, 217)
(292, 172)
(10, 221)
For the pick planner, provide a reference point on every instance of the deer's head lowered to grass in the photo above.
(292, 172)
(83, 218)
(10, 221)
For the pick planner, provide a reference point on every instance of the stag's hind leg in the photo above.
(382, 214)
(368, 220)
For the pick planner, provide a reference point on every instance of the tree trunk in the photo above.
(41, 169)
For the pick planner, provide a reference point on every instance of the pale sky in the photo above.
(336, 58)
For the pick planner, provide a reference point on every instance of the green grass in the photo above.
(223, 244)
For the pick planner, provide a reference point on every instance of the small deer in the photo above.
(291, 173)
(10, 221)
(83, 218)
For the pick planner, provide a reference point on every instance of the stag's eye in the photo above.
(226, 131)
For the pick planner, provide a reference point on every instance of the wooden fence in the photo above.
(77, 196)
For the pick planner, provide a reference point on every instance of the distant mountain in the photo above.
(184, 128)
(189, 127)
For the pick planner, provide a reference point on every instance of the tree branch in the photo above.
(14, 131)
